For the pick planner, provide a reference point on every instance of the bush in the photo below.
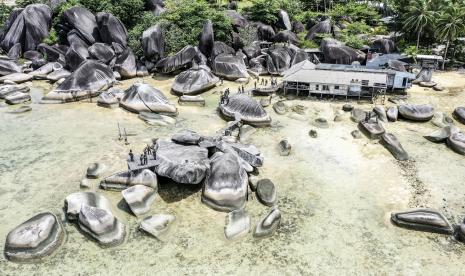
(4, 13)
(24, 3)
(181, 24)
(266, 11)
(353, 41)
(356, 11)
(306, 43)
(52, 38)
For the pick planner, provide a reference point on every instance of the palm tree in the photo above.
(419, 15)
(450, 25)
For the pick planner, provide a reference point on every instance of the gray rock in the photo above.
(43, 71)
(237, 224)
(283, 20)
(123, 180)
(187, 164)
(322, 27)
(268, 224)
(456, 142)
(15, 52)
(372, 129)
(284, 148)
(8, 67)
(141, 97)
(75, 201)
(206, 39)
(321, 123)
(245, 108)
(126, 64)
(442, 134)
(249, 153)
(180, 61)
(17, 98)
(280, 108)
(358, 115)
(245, 132)
(336, 52)
(392, 144)
(34, 239)
(313, 133)
(95, 170)
(194, 81)
(191, 100)
(459, 114)
(428, 84)
(186, 137)
(16, 78)
(58, 74)
(139, 198)
(89, 79)
(381, 113)
(423, 220)
(153, 43)
(230, 67)
(392, 113)
(8, 89)
(156, 119)
(347, 107)
(385, 45)
(108, 99)
(111, 29)
(438, 88)
(158, 225)
(21, 110)
(266, 192)
(356, 134)
(101, 225)
(84, 22)
(101, 52)
(226, 183)
(422, 112)
(265, 32)
(440, 119)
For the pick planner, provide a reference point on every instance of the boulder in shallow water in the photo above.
(420, 112)
(101, 225)
(194, 81)
(191, 100)
(266, 192)
(459, 114)
(17, 98)
(139, 198)
(358, 115)
(423, 220)
(372, 128)
(230, 67)
(75, 201)
(456, 142)
(107, 99)
(89, 79)
(440, 119)
(95, 170)
(245, 108)
(268, 224)
(187, 164)
(34, 239)
(381, 113)
(392, 113)
(392, 144)
(442, 134)
(226, 183)
(142, 97)
(123, 180)
(284, 148)
(21, 110)
(158, 225)
(237, 224)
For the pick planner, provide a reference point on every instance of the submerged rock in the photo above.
(141, 97)
(95, 170)
(392, 144)
(246, 109)
(88, 80)
(266, 192)
(421, 112)
(101, 225)
(423, 220)
(75, 201)
(226, 183)
(34, 239)
(157, 225)
(139, 198)
(268, 224)
(194, 81)
(284, 148)
(456, 142)
(237, 224)
(21, 110)
(187, 164)
(123, 180)
(156, 119)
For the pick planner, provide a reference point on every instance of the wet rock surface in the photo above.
(423, 220)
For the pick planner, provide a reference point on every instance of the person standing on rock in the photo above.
(131, 155)
(141, 159)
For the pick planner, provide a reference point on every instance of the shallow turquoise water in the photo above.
(335, 194)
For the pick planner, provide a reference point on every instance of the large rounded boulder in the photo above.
(207, 39)
(322, 27)
(142, 97)
(245, 108)
(83, 21)
(419, 112)
(111, 29)
(153, 43)
(265, 32)
(35, 238)
(88, 80)
(194, 81)
(28, 28)
(180, 61)
(8, 67)
(230, 67)
(226, 183)
(336, 52)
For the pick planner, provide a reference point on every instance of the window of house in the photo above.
(317, 87)
(325, 88)
(336, 87)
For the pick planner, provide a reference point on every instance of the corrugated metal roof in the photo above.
(335, 77)
(303, 65)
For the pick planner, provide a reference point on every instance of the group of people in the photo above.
(144, 156)
(225, 97)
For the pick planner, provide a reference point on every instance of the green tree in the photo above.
(450, 25)
(419, 15)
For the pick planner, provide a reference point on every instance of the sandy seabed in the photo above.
(336, 193)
